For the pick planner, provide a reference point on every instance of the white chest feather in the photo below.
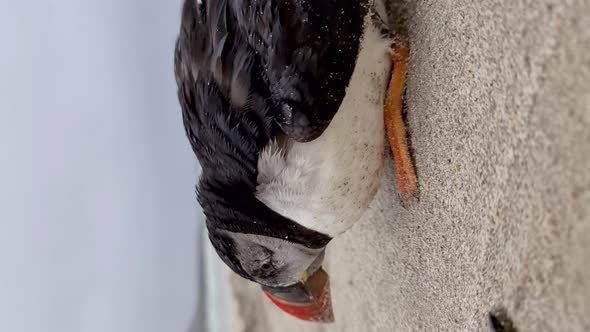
(327, 184)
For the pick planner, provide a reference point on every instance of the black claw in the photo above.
(501, 322)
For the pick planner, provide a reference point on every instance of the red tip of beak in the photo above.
(318, 311)
(317, 305)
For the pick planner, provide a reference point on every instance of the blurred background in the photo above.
(99, 225)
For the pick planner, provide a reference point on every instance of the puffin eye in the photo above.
(266, 267)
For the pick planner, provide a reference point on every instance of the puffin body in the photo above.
(327, 184)
(282, 103)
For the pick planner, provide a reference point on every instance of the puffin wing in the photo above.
(309, 50)
(221, 93)
(210, 46)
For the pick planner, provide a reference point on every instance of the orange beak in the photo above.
(307, 300)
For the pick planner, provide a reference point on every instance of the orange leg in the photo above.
(394, 124)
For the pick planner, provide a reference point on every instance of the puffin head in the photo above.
(282, 256)
(269, 261)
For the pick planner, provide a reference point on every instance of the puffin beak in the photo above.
(309, 299)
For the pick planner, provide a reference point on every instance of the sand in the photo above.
(498, 105)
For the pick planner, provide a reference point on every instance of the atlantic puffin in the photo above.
(286, 104)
